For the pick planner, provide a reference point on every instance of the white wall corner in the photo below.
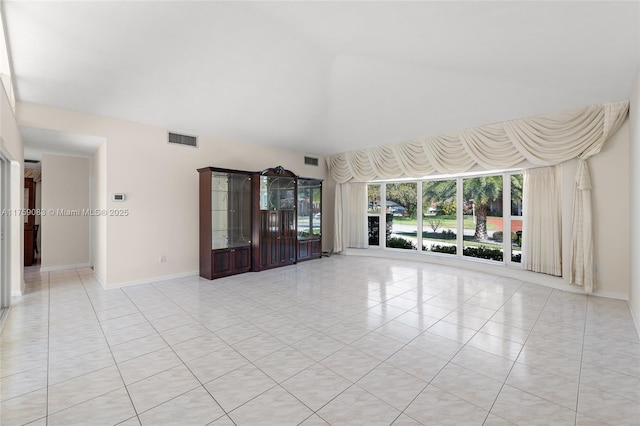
(634, 136)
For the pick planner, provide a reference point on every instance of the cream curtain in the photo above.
(350, 222)
(543, 140)
(338, 233)
(542, 236)
(356, 224)
(582, 268)
(581, 235)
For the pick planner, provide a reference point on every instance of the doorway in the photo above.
(5, 282)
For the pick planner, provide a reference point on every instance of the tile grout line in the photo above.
(504, 383)
(398, 350)
(584, 331)
(454, 355)
(178, 356)
(109, 346)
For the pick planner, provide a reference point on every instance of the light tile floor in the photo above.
(341, 340)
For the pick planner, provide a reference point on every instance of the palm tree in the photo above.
(516, 191)
(482, 191)
(438, 191)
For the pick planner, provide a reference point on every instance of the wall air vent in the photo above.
(179, 139)
(312, 161)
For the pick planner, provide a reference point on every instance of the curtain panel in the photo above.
(542, 236)
(350, 223)
(356, 224)
(582, 269)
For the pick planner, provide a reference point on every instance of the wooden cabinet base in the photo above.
(228, 261)
(309, 249)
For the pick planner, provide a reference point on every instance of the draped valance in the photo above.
(542, 140)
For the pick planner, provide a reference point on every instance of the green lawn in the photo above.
(445, 222)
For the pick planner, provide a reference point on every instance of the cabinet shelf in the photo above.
(225, 222)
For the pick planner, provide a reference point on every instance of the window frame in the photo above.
(507, 217)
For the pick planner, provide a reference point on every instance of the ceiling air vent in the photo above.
(312, 161)
(183, 139)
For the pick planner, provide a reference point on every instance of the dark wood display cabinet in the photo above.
(225, 222)
(274, 219)
(309, 219)
(252, 221)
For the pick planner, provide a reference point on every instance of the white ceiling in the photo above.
(322, 77)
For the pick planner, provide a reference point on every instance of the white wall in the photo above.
(634, 118)
(11, 145)
(161, 185)
(65, 190)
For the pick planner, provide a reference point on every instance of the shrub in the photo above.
(483, 252)
(447, 208)
(448, 234)
(395, 242)
(443, 249)
(499, 237)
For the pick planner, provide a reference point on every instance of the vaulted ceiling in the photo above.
(322, 77)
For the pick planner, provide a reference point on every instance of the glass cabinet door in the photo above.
(304, 211)
(309, 209)
(230, 210)
(277, 193)
(316, 210)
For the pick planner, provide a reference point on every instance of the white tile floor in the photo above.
(341, 340)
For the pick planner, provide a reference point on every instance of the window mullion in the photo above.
(383, 215)
(506, 218)
(459, 217)
(419, 216)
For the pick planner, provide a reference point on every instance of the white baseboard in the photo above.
(150, 280)
(20, 292)
(63, 267)
(99, 280)
(483, 266)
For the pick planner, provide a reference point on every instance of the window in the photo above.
(476, 216)
(374, 209)
(401, 215)
(483, 218)
(439, 221)
(516, 217)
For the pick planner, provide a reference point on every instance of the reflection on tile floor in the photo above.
(340, 340)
